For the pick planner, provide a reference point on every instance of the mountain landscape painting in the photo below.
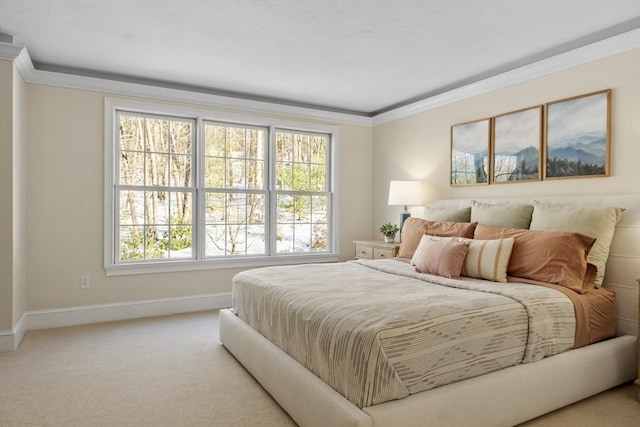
(516, 145)
(470, 153)
(578, 137)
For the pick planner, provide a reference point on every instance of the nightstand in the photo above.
(375, 249)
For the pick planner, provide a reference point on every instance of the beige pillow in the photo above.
(486, 259)
(452, 215)
(552, 256)
(441, 257)
(414, 228)
(509, 216)
(599, 222)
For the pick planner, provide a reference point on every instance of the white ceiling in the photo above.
(357, 56)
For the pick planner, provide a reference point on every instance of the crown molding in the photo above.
(177, 95)
(30, 74)
(10, 51)
(592, 52)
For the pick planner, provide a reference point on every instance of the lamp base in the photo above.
(403, 217)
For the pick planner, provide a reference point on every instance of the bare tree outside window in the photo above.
(155, 187)
(197, 189)
(236, 189)
(301, 191)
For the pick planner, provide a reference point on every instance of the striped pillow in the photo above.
(488, 259)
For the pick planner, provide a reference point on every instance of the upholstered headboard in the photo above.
(623, 264)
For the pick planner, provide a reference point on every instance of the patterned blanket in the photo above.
(377, 330)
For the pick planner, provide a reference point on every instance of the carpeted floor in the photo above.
(172, 371)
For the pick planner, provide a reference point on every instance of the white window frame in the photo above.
(112, 267)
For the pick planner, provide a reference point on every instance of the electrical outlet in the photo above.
(84, 282)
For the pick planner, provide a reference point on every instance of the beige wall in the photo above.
(60, 186)
(418, 147)
(6, 195)
(65, 200)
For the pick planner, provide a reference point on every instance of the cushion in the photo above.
(552, 256)
(486, 259)
(414, 228)
(441, 257)
(452, 215)
(508, 216)
(412, 231)
(599, 222)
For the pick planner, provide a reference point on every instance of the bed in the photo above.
(499, 392)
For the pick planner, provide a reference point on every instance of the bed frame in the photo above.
(502, 398)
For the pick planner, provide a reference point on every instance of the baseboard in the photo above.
(7, 341)
(19, 330)
(82, 315)
(10, 340)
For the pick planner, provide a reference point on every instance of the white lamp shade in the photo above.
(405, 193)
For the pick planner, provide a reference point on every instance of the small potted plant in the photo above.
(389, 230)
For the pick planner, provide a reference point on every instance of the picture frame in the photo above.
(470, 146)
(577, 138)
(516, 146)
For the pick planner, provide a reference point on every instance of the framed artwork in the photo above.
(517, 144)
(470, 152)
(577, 142)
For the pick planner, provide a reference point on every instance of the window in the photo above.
(236, 187)
(301, 192)
(189, 191)
(155, 190)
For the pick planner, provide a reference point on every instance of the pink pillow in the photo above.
(441, 257)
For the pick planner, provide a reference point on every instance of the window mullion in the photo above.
(144, 182)
(199, 211)
(273, 199)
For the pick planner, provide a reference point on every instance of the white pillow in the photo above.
(598, 222)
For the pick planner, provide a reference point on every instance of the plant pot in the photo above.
(389, 239)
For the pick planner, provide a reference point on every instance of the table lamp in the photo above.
(404, 193)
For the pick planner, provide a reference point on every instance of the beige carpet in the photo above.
(172, 371)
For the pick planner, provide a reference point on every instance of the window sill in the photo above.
(211, 264)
